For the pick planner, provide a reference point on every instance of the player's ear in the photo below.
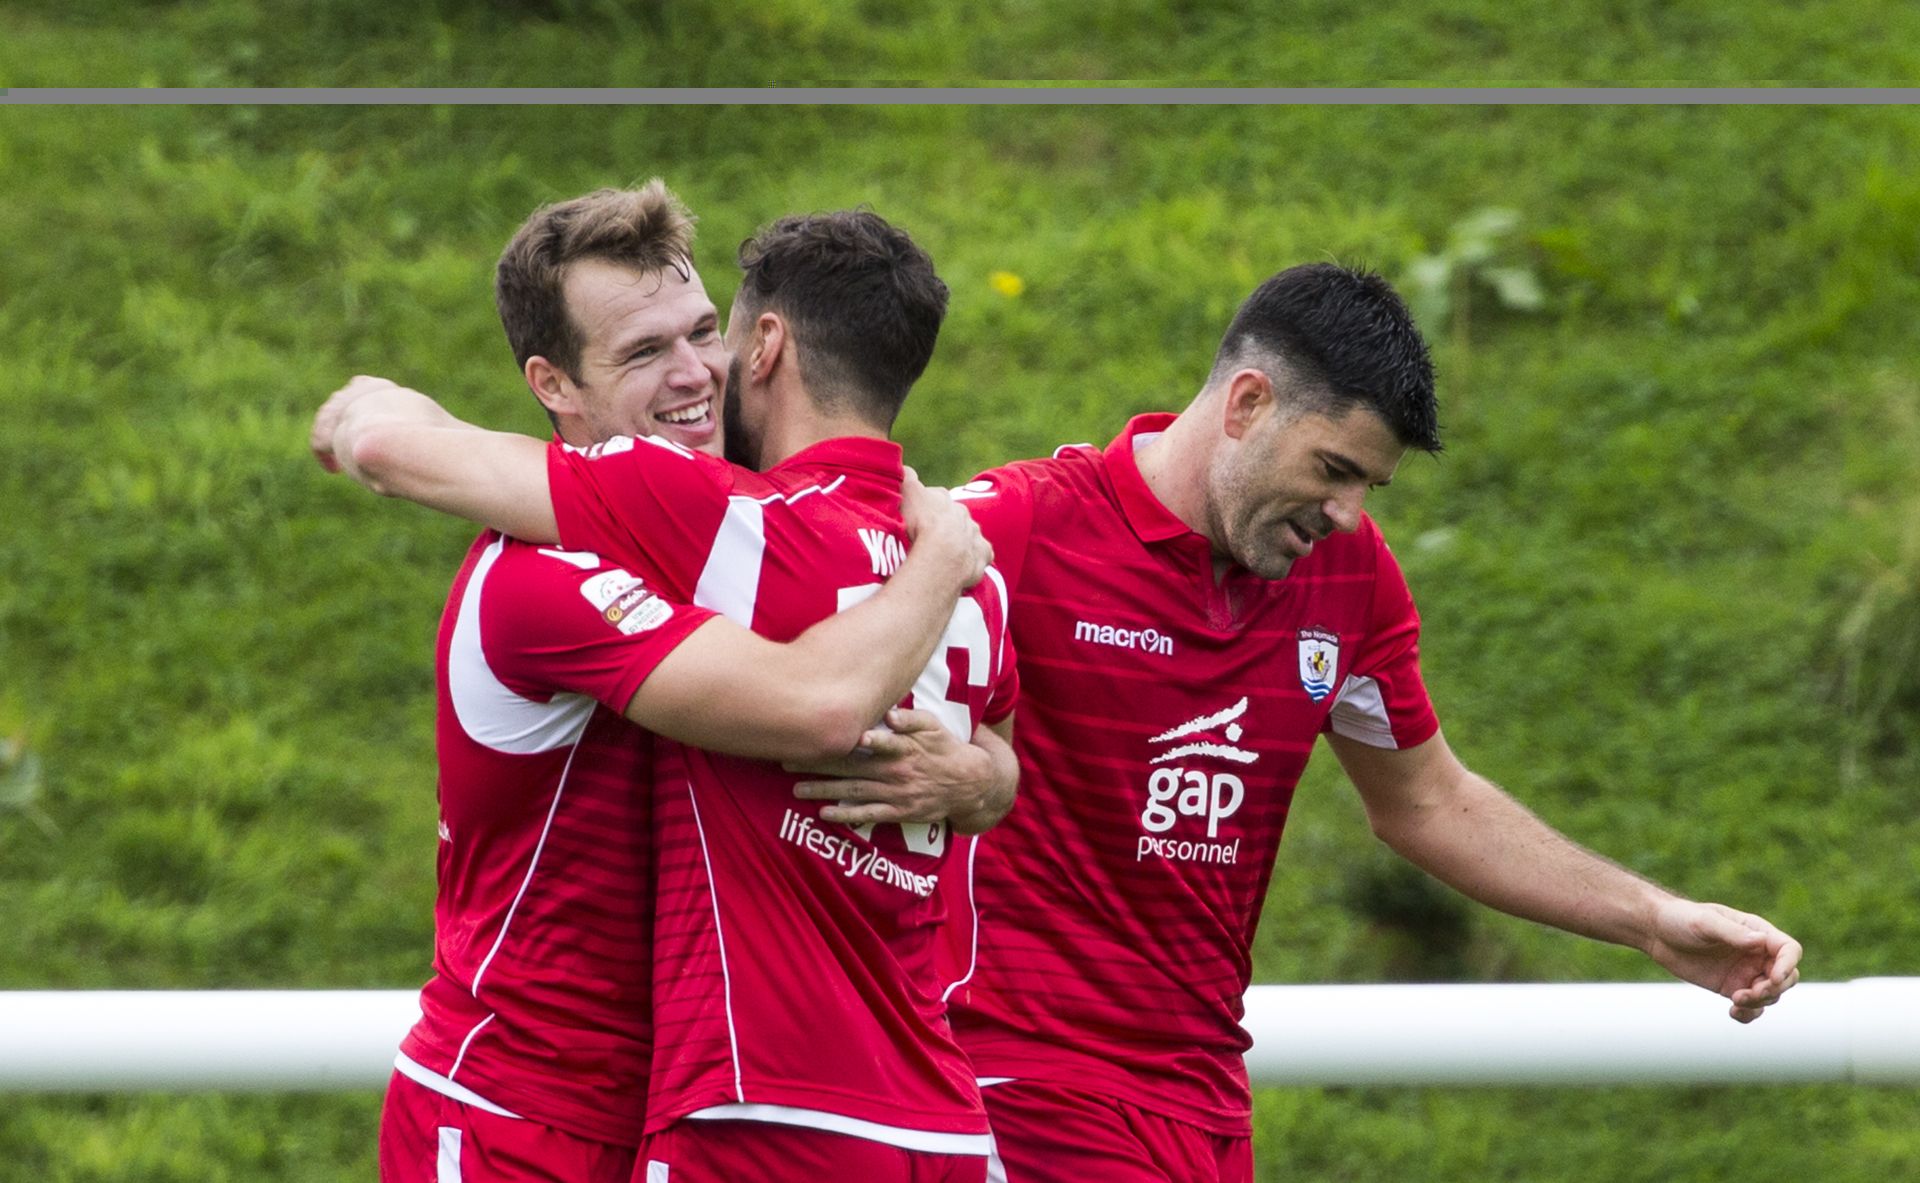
(551, 386)
(770, 339)
(1249, 396)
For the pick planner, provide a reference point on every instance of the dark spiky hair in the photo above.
(863, 300)
(1345, 337)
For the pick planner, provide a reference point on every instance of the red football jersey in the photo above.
(540, 1005)
(1164, 722)
(794, 972)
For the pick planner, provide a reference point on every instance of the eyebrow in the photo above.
(1353, 468)
(626, 350)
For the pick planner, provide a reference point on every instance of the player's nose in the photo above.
(690, 370)
(1343, 509)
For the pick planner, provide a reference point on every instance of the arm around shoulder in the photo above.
(729, 690)
(400, 443)
(813, 698)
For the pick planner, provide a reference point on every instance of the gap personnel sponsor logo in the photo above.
(1194, 794)
(1149, 640)
(1180, 791)
(849, 858)
(884, 549)
(1227, 720)
(1319, 661)
(1226, 853)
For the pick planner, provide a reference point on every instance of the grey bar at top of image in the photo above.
(1009, 95)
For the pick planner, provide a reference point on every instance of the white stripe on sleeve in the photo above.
(1361, 714)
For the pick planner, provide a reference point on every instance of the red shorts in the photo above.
(429, 1138)
(767, 1152)
(1047, 1133)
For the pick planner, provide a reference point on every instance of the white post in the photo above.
(257, 1040)
(290, 1040)
(1669, 1033)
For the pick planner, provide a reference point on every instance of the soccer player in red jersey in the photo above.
(531, 1060)
(1136, 867)
(799, 1021)
(1243, 606)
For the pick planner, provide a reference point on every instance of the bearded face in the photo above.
(740, 447)
(1293, 479)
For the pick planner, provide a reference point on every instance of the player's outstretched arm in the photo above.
(915, 770)
(815, 697)
(400, 443)
(1468, 833)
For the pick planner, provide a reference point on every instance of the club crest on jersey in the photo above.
(1319, 661)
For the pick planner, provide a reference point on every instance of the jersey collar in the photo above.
(881, 458)
(1150, 519)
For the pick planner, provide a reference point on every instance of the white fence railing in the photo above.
(1867, 1031)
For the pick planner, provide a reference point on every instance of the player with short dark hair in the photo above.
(1345, 339)
(865, 315)
(1194, 606)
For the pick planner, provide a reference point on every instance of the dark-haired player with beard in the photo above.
(1194, 606)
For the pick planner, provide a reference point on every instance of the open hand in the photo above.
(912, 770)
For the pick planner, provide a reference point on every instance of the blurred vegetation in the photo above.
(1669, 563)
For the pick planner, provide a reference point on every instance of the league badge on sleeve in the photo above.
(1319, 661)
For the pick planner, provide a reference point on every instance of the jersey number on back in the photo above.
(963, 659)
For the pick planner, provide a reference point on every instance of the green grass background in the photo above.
(1667, 562)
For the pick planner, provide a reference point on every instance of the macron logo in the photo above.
(884, 549)
(1148, 640)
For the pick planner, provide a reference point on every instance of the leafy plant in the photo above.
(1879, 635)
(20, 783)
(1439, 286)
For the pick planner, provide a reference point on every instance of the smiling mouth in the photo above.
(699, 412)
(1304, 539)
